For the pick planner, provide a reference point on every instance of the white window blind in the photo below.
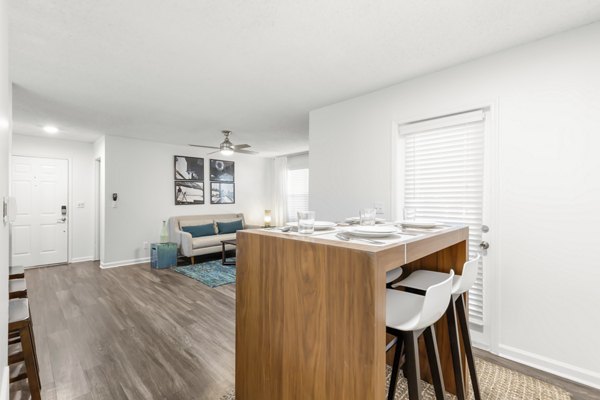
(443, 180)
(297, 192)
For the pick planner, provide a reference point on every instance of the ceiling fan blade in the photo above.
(245, 151)
(214, 152)
(207, 147)
(241, 146)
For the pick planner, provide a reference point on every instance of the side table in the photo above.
(163, 255)
(224, 261)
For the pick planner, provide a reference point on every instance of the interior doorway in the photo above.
(40, 231)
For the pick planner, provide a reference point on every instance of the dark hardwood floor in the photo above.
(137, 333)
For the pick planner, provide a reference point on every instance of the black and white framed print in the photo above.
(222, 171)
(189, 192)
(222, 193)
(189, 168)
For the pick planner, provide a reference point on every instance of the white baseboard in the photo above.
(5, 384)
(81, 259)
(123, 263)
(562, 369)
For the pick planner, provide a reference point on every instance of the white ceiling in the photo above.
(180, 71)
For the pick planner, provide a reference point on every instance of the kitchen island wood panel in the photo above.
(310, 312)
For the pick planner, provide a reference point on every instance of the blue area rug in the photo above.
(211, 273)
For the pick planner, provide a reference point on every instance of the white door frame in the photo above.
(69, 196)
(97, 208)
(492, 321)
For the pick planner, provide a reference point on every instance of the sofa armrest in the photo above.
(186, 243)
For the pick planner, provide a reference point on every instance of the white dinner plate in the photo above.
(373, 234)
(419, 223)
(319, 225)
(375, 229)
(356, 220)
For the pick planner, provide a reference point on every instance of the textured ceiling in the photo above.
(180, 71)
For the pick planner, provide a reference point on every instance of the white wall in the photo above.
(141, 172)
(5, 139)
(80, 156)
(548, 114)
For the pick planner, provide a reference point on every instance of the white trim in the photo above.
(97, 207)
(81, 259)
(562, 369)
(5, 384)
(492, 288)
(394, 176)
(123, 263)
(464, 117)
(479, 340)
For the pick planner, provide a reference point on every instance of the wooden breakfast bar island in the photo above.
(310, 311)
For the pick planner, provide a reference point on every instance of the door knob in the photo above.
(62, 220)
(484, 245)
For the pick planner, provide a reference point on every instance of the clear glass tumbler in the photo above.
(409, 214)
(367, 216)
(306, 222)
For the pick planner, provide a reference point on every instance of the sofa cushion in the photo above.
(200, 230)
(208, 241)
(229, 227)
(195, 222)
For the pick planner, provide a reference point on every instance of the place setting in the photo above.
(306, 225)
(368, 228)
(365, 228)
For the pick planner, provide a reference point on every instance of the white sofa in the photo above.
(191, 247)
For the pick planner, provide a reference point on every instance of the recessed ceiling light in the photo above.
(50, 129)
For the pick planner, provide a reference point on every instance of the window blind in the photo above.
(443, 180)
(297, 192)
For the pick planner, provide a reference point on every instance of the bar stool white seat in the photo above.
(421, 280)
(392, 275)
(17, 288)
(16, 272)
(408, 316)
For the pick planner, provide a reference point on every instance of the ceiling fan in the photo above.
(227, 148)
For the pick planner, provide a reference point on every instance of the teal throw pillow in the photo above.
(230, 227)
(200, 230)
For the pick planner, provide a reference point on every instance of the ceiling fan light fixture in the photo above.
(226, 146)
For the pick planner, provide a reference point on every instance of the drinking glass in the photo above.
(306, 222)
(409, 214)
(367, 216)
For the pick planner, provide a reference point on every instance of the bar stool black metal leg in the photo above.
(395, 368)
(466, 336)
(413, 371)
(434, 362)
(33, 376)
(455, 350)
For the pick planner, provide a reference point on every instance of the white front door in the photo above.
(39, 233)
(444, 175)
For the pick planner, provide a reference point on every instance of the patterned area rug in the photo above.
(211, 273)
(496, 383)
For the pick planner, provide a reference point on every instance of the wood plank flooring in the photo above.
(137, 333)
(131, 333)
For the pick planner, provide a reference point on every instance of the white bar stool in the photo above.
(16, 272)
(392, 275)
(408, 316)
(421, 280)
